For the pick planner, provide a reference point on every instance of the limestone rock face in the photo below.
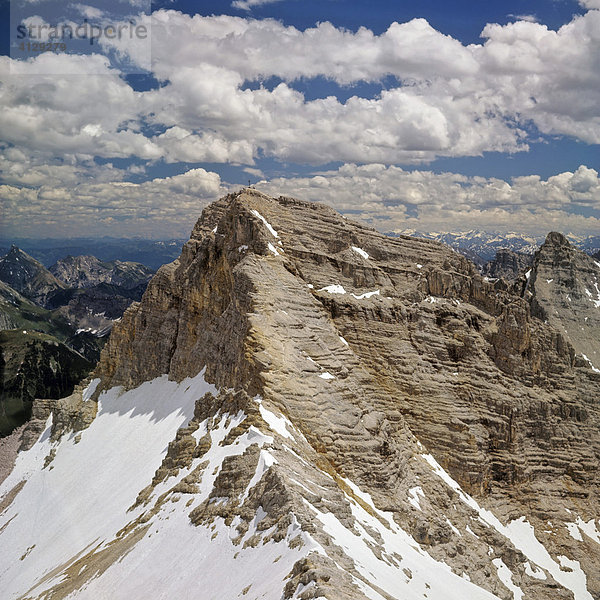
(563, 289)
(507, 264)
(377, 408)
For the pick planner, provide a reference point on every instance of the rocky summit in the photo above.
(563, 289)
(507, 264)
(28, 276)
(303, 408)
(87, 271)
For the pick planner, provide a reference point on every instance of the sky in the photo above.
(430, 115)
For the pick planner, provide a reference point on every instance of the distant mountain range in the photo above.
(88, 271)
(481, 246)
(28, 276)
(54, 323)
(152, 253)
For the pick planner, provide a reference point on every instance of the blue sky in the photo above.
(423, 115)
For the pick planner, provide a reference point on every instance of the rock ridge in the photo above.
(364, 389)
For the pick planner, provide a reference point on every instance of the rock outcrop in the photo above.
(88, 271)
(563, 289)
(381, 422)
(28, 276)
(507, 264)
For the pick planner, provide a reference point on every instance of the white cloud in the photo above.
(387, 197)
(528, 18)
(60, 112)
(250, 4)
(391, 198)
(590, 4)
(451, 100)
(160, 208)
(254, 172)
(91, 12)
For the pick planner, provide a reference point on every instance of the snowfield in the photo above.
(83, 504)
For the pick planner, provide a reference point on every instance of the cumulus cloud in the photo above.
(60, 114)
(387, 197)
(590, 4)
(159, 208)
(449, 100)
(392, 199)
(250, 4)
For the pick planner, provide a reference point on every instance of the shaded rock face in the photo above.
(564, 290)
(94, 309)
(429, 349)
(507, 264)
(34, 365)
(353, 375)
(89, 271)
(98, 292)
(28, 276)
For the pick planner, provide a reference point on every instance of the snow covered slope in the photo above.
(76, 517)
(77, 527)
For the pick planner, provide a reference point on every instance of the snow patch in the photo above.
(333, 289)
(505, 576)
(533, 572)
(454, 529)
(399, 551)
(90, 389)
(594, 301)
(82, 500)
(267, 224)
(326, 375)
(366, 295)
(591, 364)
(339, 289)
(361, 252)
(277, 424)
(265, 461)
(522, 535)
(414, 494)
(580, 526)
(574, 531)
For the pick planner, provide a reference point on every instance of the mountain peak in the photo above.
(86, 271)
(554, 238)
(326, 412)
(16, 251)
(28, 276)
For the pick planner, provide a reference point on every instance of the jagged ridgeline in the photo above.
(303, 408)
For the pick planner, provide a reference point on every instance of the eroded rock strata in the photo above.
(378, 415)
